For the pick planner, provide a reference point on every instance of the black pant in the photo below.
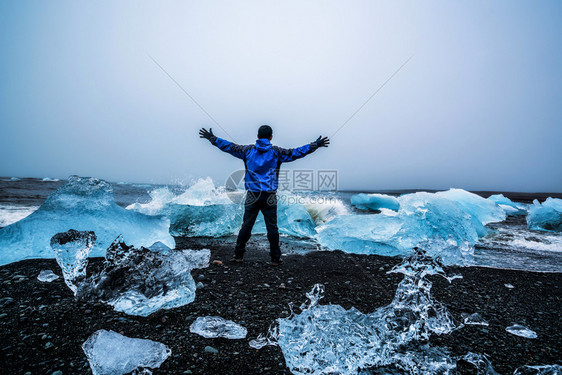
(266, 202)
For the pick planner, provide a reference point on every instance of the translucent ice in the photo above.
(81, 204)
(375, 201)
(519, 330)
(142, 281)
(71, 251)
(475, 319)
(511, 208)
(539, 370)
(484, 210)
(546, 216)
(327, 339)
(214, 326)
(206, 211)
(110, 353)
(437, 223)
(47, 276)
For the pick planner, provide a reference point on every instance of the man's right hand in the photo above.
(203, 133)
(322, 142)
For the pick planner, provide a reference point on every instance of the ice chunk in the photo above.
(82, 204)
(475, 319)
(484, 210)
(326, 339)
(206, 211)
(375, 201)
(142, 281)
(519, 330)
(47, 276)
(110, 353)
(546, 216)
(511, 208)
(14, 179)
(48, 179)
(539, 370)
(71, 250)
(508, 286)
(423, 219)
(214, 326)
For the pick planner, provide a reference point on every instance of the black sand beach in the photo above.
(43, 327)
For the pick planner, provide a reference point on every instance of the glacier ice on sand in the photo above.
(47, 276)
(71, 251)
(214, 326)
(519, 330)
(81, 204)
(326, 339)
(483, 210)
(546, 216)
(539, 370)
(375, 201)
(110, 353)
(140, 281)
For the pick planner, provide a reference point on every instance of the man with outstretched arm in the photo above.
(262, 162)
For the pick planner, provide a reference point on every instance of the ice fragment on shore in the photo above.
(110, 353)
(508, 286)
(539, 370)
(375, 201)
(47, 276)
(475, 319)
(142, 281)
(215, 326)
(546, 216)
(71, 250)
(325, 339)
(82, 204)
(519, 330)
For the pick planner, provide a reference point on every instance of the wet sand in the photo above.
(42, 326)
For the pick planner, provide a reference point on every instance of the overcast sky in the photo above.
(479, 106)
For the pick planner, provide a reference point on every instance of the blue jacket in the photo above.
(262, 160)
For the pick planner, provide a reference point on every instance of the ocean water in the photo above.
(509, 244)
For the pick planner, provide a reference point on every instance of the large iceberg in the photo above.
(140, 281)
(80, 204)
(484, 210)
(511, 208)
(328, 339)
(203, 210)
(546, 216)
(375, 202)
(441, 225)
(110, 353)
